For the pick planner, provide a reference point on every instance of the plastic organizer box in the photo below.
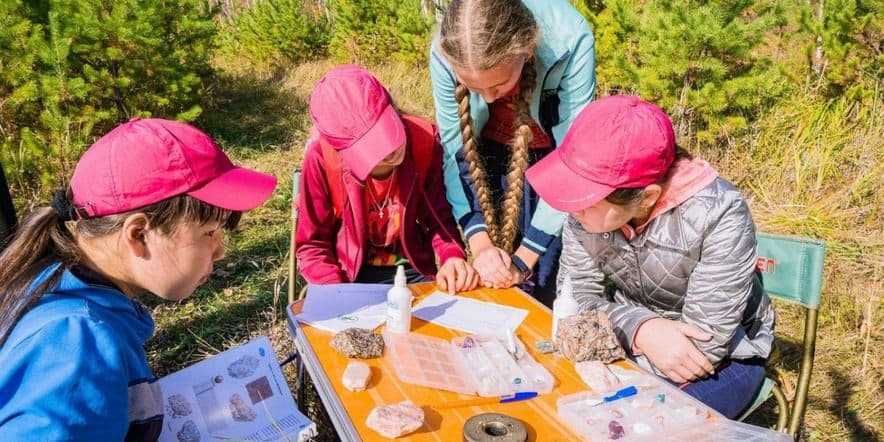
(469, 365)
(658, 412)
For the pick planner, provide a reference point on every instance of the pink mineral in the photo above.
(392, 421)
(615, 430)
(597, 376)
(587, 337)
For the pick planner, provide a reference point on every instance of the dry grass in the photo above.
(816, 169)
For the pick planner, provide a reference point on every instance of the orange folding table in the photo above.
(348, 410)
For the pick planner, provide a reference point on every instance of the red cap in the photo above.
(353, 114)
(143, 162)
(616, 142)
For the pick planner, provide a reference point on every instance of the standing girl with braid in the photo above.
(509, 77)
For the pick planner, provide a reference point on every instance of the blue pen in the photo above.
(520, 396)
(622, 393)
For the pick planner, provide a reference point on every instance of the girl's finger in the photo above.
(452, 285)
(440, 281)
(701, 360)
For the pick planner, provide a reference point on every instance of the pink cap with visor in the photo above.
(353, 114)
(616, 142)
(146, 161)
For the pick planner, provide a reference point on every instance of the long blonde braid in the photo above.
(515, 176)
(477, 170)
(478, 35)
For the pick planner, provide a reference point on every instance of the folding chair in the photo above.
(293, 261)
(792, 270)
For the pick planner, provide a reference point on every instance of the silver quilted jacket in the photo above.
(694, 263)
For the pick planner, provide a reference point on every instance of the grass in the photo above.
(809, 167)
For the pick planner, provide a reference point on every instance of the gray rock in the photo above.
(358, 343)
(589, 337)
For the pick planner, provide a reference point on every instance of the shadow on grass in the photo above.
(849, 417)
(244, 111)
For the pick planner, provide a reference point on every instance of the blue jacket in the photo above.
(566, 78)
(74, 368)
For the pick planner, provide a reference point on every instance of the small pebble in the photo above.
(641, 428)
(661, 398)
(544, 347)
(615, 430)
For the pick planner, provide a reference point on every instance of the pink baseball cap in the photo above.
(146, 161)
(616, 142)
(353, 114)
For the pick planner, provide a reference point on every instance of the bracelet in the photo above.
(523, 268)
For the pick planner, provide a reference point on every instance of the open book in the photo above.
(240, 394)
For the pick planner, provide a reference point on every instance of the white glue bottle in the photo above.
(565, 305)
(399, 304)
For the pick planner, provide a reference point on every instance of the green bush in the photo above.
(698, 60)
(844, 49)
(374, 31)
(72, 69)
(274, 34)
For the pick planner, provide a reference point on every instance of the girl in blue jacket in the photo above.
(509, 77)
(145, 213)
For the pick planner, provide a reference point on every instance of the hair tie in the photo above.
(63, 207)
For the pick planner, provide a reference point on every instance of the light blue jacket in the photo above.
(566, 70)
(74, 368)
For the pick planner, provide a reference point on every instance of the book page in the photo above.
(240, 394)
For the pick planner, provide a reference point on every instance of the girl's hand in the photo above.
(493, 265)
(456, 275)
(667, 345)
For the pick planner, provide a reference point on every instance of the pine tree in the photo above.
(373, 31)
(845, 52)
(695, 59)
(77, 67)
(275, 34)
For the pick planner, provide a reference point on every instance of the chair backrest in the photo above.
(792, 268)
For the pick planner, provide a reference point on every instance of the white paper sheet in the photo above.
(336, 307)
(199, 401)
(469, 315)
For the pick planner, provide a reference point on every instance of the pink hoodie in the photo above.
(687, 177)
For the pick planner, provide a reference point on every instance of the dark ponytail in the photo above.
(40, 239)
(45, 236)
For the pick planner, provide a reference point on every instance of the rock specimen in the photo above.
(243, 367)
(588, 337)
(356, 376)
(239, 410)
(358, 343)
(392, 421)
(178, 406)
(188, 432)
(597, 376)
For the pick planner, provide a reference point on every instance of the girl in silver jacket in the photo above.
(664, 246)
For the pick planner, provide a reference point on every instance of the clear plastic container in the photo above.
(470, 364)
(724, 430)
(431, 362)
(644, 416)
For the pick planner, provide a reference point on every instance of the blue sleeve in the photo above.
(576, 90)
(67, 381)
(448, 123)
(473, 221)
